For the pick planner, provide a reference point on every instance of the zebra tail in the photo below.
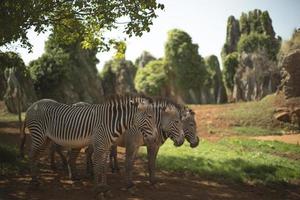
(23, 139)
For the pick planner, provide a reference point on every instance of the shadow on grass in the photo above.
(231, 170)
(10, 161)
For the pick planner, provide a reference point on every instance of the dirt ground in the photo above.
(175, 186)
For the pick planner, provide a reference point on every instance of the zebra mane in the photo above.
(169, 102)
(126, 96)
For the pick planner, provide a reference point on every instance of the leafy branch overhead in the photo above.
(94, 17)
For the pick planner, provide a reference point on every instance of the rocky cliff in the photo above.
(15, 82)
(118, 77)
(255, 73)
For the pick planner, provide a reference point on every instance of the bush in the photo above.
(254, 41)
(151, 78)
(231, 64)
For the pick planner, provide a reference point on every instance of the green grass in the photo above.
(10, 163)
(255, 117)
(255, 113)
(10, 117)
(235, 160)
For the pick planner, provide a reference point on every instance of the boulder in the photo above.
(291, 74)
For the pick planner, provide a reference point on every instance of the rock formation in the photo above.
(252, 39)
(256, 77)
(291, 74)
(16, 83)
(118, 77)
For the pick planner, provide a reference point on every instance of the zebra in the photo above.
(166, 114)
(169, 116)
(98, 124)
(190, 127)
(69, 162)
(133, 141)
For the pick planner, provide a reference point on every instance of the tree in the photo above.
(185, 67)
(255, 41)
(67, 72)
(231, 64)
(144, 59)
(214, 81)
(95, 16)
(152, 78)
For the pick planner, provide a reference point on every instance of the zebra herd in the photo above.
(129, 121)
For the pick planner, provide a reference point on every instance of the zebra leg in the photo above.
(89, 161)
(131, 151)
(72, 157)
(52, 155)
(113, 159)
(100, 168)
(152, 151)
(62, 157)
(39, 143)
(55, 148)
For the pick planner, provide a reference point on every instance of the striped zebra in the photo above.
(76, 127)
(190, 127)
(69, 163)
(169, 116)
(132, 142)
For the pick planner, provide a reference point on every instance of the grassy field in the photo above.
(235, 160)
(246, 118)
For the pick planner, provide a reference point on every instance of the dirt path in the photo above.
(175, 186)
(291, 139)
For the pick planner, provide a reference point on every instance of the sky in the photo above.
(204, 20)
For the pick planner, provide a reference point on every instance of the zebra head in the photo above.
(172, 125)
(144, 120)
(189, 127)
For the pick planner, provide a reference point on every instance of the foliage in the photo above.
(9, 60)
(254, 41)
(232, 36)
(96, 17)
(120, 47)
(151, 78)
(66, 72)
(185, 66)
(49, 69)
(144, 59)
(235, 160)
(230, 66)
(258, 22)
(292, 44)
(213, 70)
